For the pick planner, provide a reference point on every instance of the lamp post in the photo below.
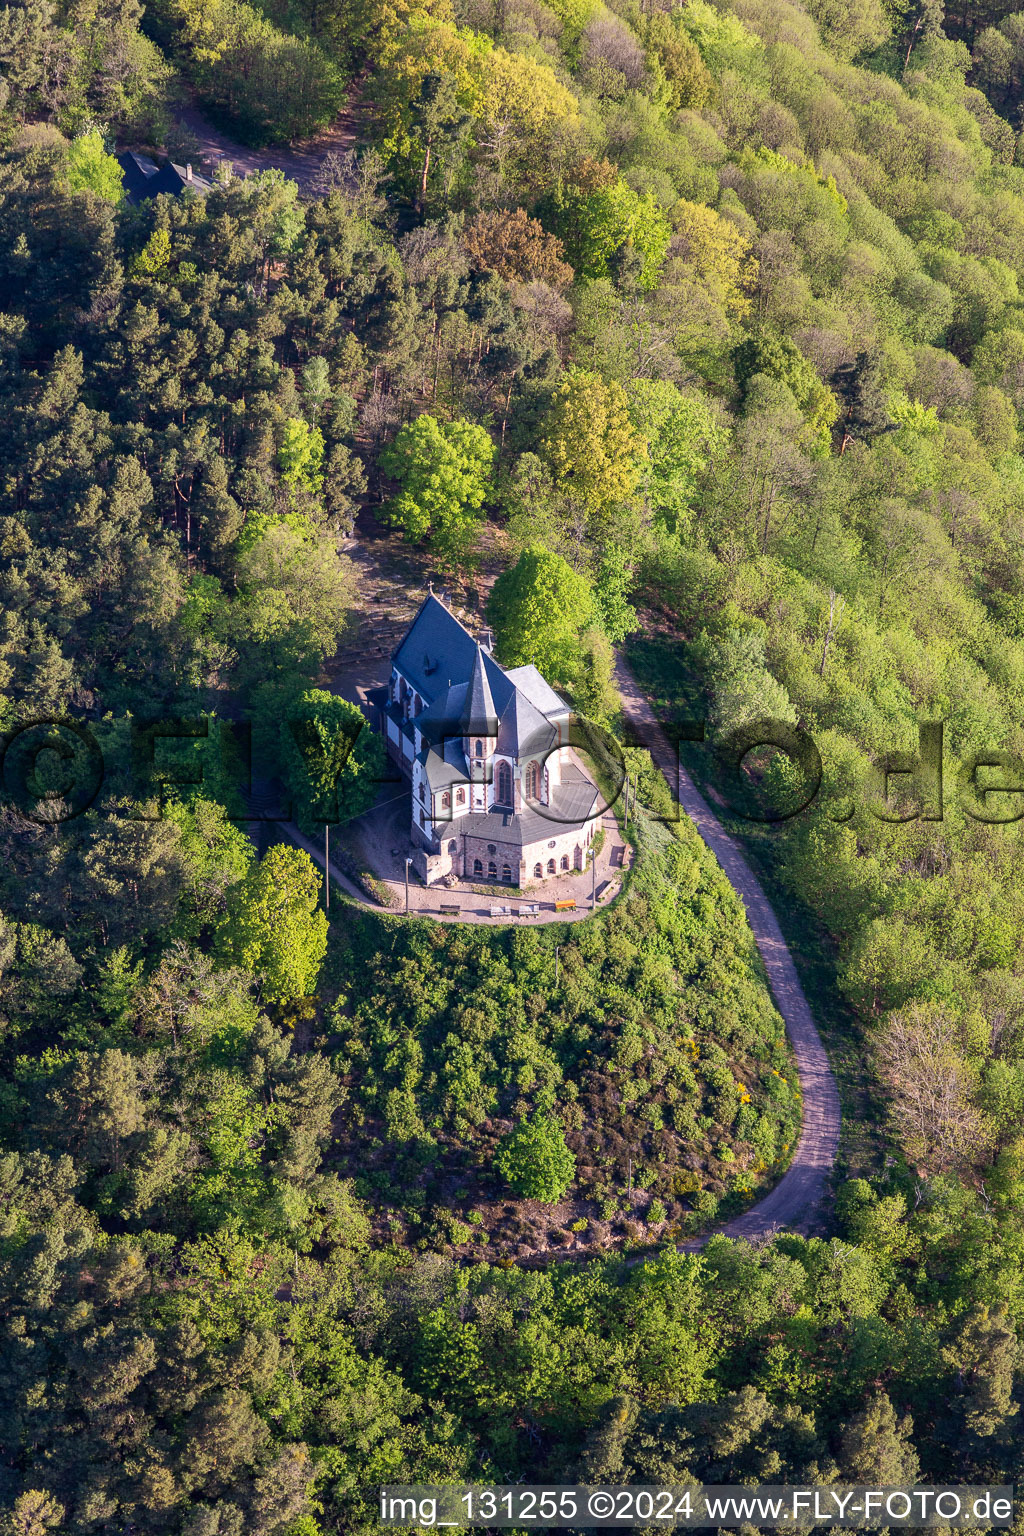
(557, 948)
(593, 880)
(327, 866)
(407, 863)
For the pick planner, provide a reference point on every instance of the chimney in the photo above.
(188, 171)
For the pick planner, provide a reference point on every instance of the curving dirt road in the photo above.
(794, 1202)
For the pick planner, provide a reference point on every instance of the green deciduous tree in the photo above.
(615, 581)
(332, 760)
(442, 468)
(775, 356)
(535, 1159)
(295, 596)
(301, 456)
(687, 444)
(273, 925)
(596, 214)
(595, 452)
(91, 169)
(539, 609)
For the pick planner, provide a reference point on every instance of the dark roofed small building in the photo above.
(496, 794)
(144, 178)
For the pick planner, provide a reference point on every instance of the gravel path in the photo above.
(795, 1201)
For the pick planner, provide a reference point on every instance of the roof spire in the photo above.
(479, 716)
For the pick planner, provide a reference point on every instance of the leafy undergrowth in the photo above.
(658, 1049)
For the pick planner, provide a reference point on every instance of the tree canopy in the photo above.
(273, 924)
(535, 1159)
(539, 609)
(699, 331)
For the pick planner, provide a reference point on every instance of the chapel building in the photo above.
(497, 794)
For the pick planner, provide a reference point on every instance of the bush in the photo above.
(535, 1159)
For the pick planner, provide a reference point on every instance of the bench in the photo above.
(566, 906)
(529, 909)
(499, 912)
(449, 911)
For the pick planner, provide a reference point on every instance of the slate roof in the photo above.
(437, 650)
(539, 692)
(467, 693)
(444, 772)
(523, 729)
(144, 178)
(478, 717)
(441, 719)
(572, 805)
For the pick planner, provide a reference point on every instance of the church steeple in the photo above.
(479, 716)
(479, 719)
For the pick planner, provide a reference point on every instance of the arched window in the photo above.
(505, 784)
(506, 874)
(478, 867)
(531, 782)
(460, 797)
(423, 793)
(546, 797)
(551, 866)
(453, 847)
(492, 870)
(579, 857)
(417, 704)
(538, 870)
(565, 861)
(446, 801)
(479, 749)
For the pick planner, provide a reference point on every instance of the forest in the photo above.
(691, 333)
